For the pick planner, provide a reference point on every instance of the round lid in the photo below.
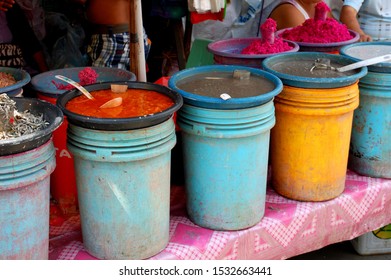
(45, 82)
(322, 47)
(223, 87)
(117, 124)
(22, 78)
(297, 69)
(51, 113)
(366, 50)
(234, 47)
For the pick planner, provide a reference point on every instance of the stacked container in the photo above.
(370, 145)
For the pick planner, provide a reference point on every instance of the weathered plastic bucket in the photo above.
(24, 203)
(122, 168)
(370, 146)
(310, 141)
(123, 180)
(63, 182)
(225, 152)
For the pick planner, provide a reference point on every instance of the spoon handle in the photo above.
(76, 85)
(365, 62)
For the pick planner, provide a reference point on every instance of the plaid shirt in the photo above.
(113, 50)
(374, 17)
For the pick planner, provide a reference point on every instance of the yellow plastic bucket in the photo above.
(310, 141)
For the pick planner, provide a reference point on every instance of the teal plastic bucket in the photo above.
(123, 184)
(225, 154)
(24, 203)
(370, 145)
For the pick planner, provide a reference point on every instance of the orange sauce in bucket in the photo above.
(135, 103)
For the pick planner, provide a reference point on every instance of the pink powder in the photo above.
(86, 76)
(319, 30)
(268, 44)
(268, 30)
(259, 47)
(321, 10)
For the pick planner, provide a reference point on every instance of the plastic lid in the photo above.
(43, 82)
(366, 50)
(223, 103)
(294, 70)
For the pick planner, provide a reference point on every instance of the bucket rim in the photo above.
(42, 82)
(118, 124)
(219, 103)
(316, 82)
(51, 113)
(383, 67)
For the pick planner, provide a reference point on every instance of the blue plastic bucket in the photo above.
(225, 145)
(370, 145)
(123, 184)
(24, 203)
(225, 164)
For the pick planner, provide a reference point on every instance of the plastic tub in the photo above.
(225, 147)
(310, 141)
(370, 146)
(63, 182)
(24, 203)
(122, 168)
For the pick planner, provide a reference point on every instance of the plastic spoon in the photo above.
(115, 102)
(324, 63)
(76, 85)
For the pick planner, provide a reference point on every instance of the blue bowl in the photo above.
(43, 83)
(301, 60)
(219, 103)
(22, 78)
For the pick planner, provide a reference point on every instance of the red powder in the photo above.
(318, 31)
(86, 76)
(268, 44)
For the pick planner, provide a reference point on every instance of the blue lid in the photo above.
(300, 64)
(219, 103)
(43, 83)
(367, 50)
(22, 78)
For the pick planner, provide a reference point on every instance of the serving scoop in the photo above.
(76, 85)
(324, 63)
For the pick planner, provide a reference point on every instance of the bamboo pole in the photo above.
(137, 55)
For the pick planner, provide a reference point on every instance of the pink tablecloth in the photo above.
(288, 228)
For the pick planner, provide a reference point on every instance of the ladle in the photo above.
(115, 102)
(76, 85)
(324, 63)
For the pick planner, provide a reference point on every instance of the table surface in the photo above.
(288, 228)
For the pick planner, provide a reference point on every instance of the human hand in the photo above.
(365, 38)
(6, 4)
